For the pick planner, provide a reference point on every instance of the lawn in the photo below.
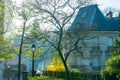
(43, 78)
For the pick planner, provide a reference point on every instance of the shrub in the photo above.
(55, 68)
(75, 70)
(56, 63)
(112, 70)
(43, 78)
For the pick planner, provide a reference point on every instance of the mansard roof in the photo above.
(91, 18)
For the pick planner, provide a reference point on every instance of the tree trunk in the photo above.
(65, 65)
(67, 71)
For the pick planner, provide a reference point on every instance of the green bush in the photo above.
(43, 78)
(112, 70)
(75, 70)
(75, 74)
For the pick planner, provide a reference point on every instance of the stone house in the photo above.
(101, 34)
(100, 31)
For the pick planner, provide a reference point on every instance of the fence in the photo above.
(74, 75)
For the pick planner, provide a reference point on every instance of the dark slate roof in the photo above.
(91, 18)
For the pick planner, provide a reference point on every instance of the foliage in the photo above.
(6, 51)
(74, 75)
(115, 50)
(43, 78)
(29, 39)
(112, 68)
(56, 63)
(5, 47)
(28, 53)
(2, 8)
(1, 29)
(75, 70)
(56, 15)
(119, 19)
(55, 68)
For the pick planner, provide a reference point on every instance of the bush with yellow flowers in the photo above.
(56, 63)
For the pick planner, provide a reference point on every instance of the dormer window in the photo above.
(84, 15)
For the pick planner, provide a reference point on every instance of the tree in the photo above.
(55, 16)
(7, 51)
(119, 19)
(5, 44)
(24, 16)
(112, 68)
(2, 6)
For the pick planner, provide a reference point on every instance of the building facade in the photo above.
(102, 31)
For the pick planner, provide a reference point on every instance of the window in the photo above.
(108, 50)
(95, 48)
(95, 51)
(84, 15)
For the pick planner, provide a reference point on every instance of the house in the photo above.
(101, 34)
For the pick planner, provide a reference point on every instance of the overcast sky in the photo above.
(109, 3)
(102, 3)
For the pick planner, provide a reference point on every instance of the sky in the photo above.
(108, 3)
(102, 3)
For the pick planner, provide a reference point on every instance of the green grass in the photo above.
(43, 78)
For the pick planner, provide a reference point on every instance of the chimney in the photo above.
(109, 14)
